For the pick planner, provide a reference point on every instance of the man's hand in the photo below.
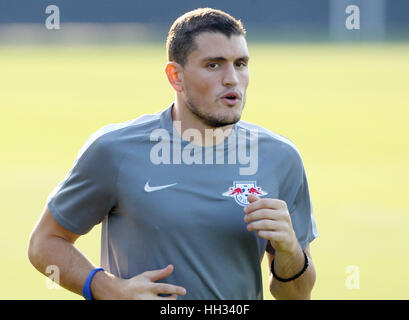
(142, 286)
(270, 217)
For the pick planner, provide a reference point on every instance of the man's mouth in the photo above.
(230, 98)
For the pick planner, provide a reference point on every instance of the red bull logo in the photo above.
(241, 190)
(236, 191)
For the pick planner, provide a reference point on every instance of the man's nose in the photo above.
(230, 78)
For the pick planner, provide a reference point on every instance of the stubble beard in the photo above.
(212, 120)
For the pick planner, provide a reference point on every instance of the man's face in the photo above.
(215, 78)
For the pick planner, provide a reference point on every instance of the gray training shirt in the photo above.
(163, 200)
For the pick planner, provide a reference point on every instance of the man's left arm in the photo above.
(271, 219)
(286, 266)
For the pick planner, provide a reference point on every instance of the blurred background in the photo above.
(332, 76)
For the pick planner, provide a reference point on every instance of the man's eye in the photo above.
(241, 64)
(212, 65)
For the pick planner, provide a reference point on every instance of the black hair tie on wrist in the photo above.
(294, 277)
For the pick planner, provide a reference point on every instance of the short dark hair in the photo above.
(181, 37)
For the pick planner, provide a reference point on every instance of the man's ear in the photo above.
(175, 75)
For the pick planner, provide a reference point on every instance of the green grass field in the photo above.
(346, 108)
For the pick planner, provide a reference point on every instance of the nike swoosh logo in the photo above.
(148, 188)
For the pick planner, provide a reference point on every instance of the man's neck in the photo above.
(185, 122)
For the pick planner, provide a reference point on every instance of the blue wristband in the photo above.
(86, 289)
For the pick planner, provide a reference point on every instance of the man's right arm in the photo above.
(52, 244)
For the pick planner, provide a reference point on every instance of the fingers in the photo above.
(267, 216)
(252, 197)
(263, 214)
(172, 297)
(266, 203)
(266, 234)
(164, 288)
(270, 209)
(271, 219)
(156, 275)
(265, 224)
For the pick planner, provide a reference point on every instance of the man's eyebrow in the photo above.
(223, 59)
(244, 58)
(214, 59)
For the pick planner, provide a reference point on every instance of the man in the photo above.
(182, 218)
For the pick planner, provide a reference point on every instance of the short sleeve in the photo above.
(88, 192)
(297, 196)
(302, 216)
